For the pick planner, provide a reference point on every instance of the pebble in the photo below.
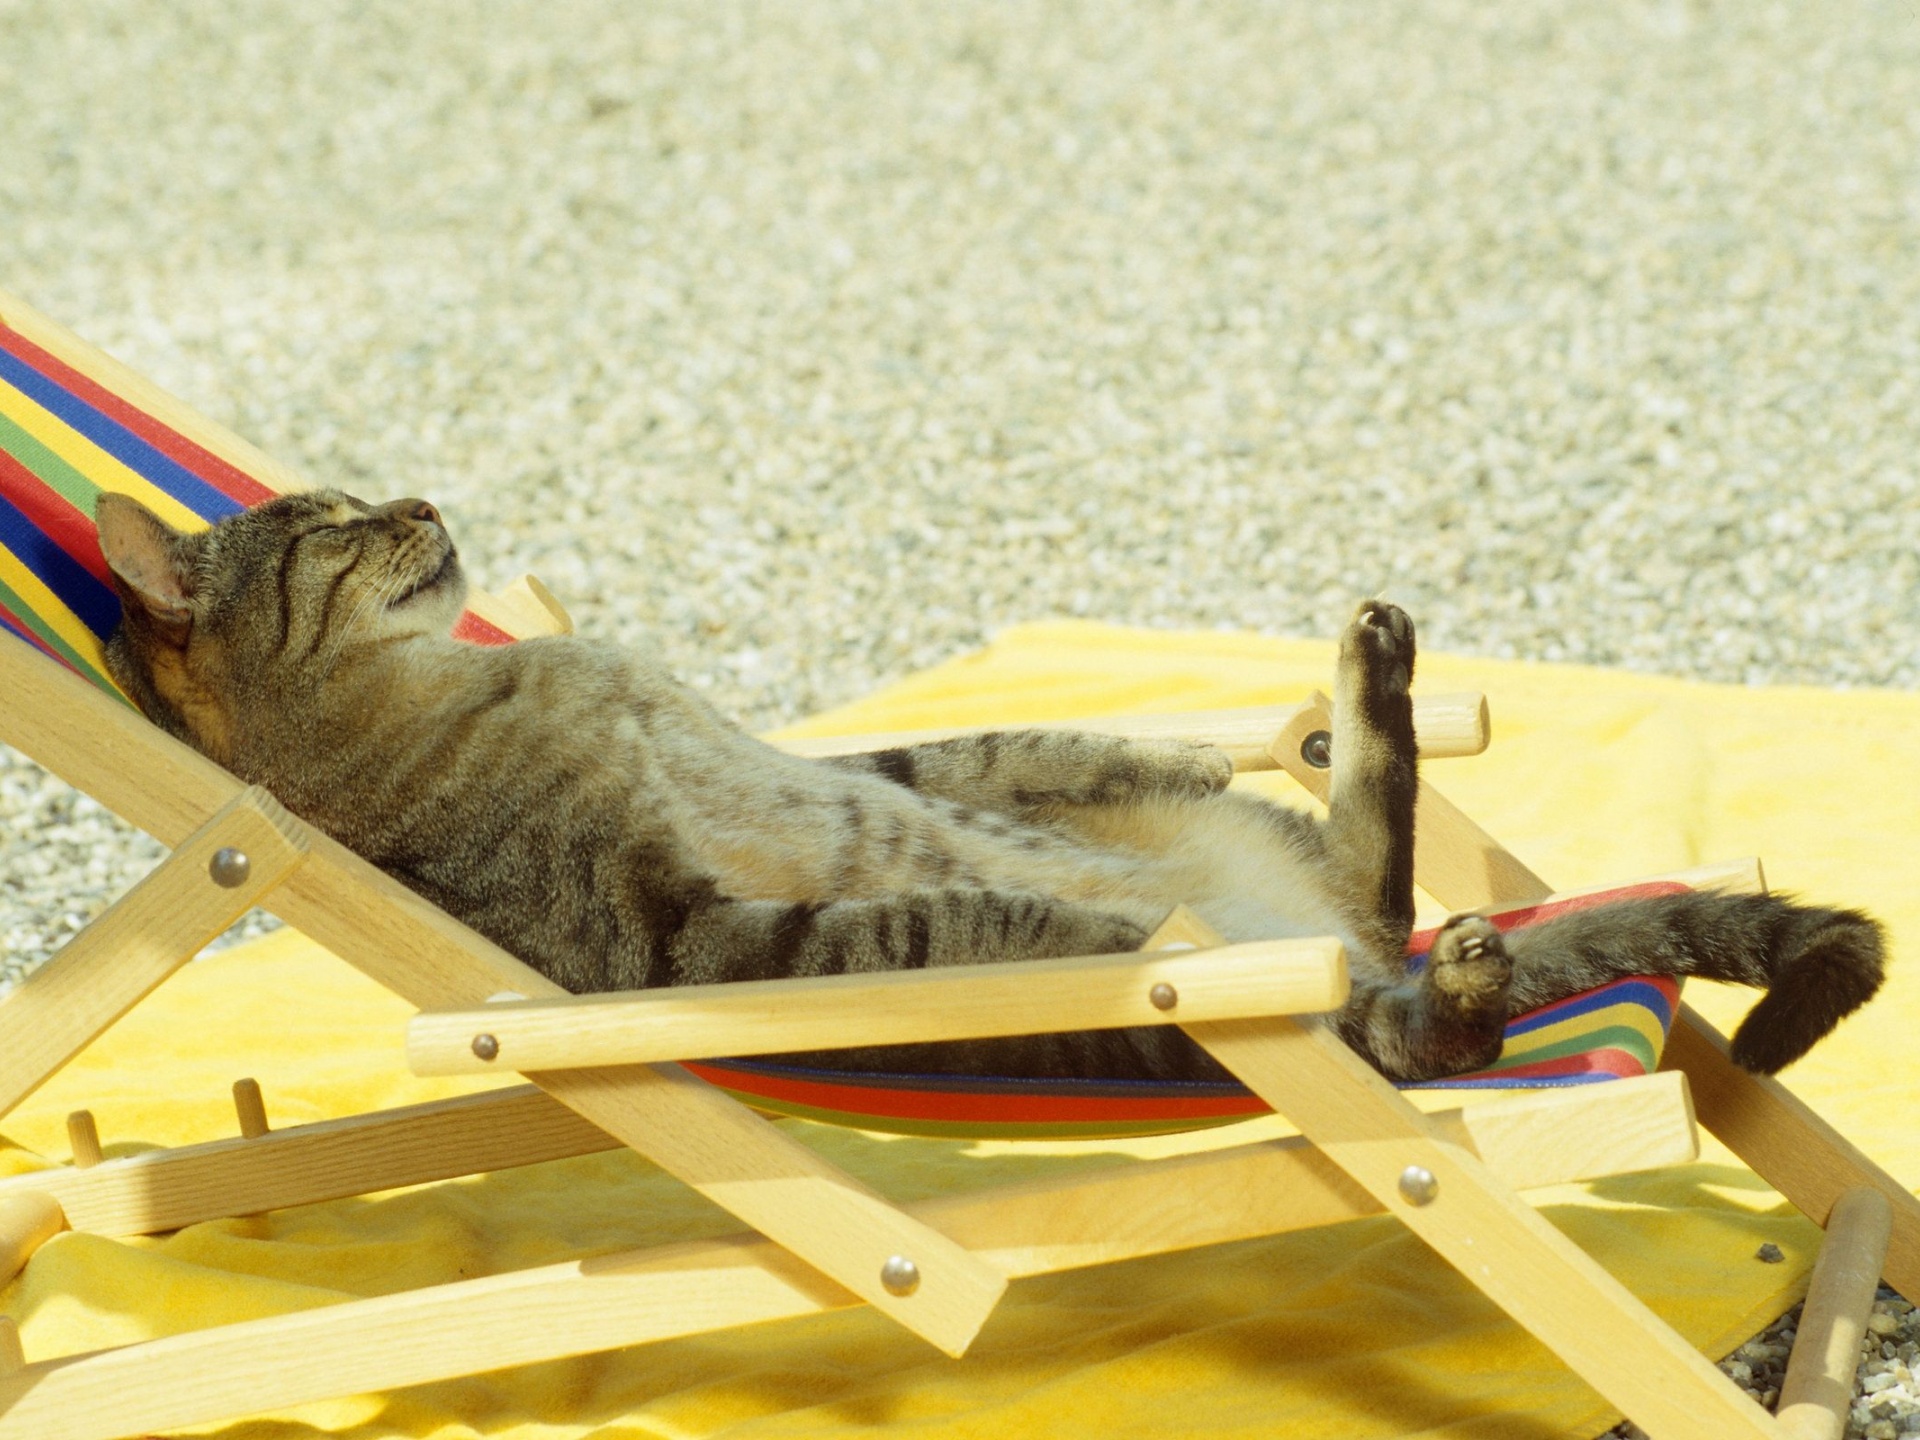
(808, 345)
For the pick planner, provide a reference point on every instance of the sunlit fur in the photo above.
(576, 805)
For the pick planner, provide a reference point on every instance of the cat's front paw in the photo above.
(1470, 966)
(1379, 641)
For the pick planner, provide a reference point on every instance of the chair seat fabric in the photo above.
(1609, 1033)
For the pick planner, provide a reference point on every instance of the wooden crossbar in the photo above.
(1444, 726)
(769, 1017)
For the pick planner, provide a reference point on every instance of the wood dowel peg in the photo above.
(251, 1107)
(84, 1136)
(12, 1357)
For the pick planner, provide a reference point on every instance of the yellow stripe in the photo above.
(50, 610)
(93, 462)
(1626, 1013)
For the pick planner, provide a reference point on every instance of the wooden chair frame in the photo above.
(823, 1240)
(815, 1238)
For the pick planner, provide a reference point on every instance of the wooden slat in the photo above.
(537, 609)
(139, 940)
(1623, 1126)
(768, 1017)
(159, 1190)
(1056, 1223)
(1818, 1389)
(687, 1127)
(1444, 725)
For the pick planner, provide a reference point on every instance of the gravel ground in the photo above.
(811, 343)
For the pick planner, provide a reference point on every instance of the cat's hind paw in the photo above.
(1470, 966)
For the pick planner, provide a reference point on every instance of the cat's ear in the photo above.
(151, 561)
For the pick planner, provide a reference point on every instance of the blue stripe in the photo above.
(1619, 992)
(118, 441)
(79, 590)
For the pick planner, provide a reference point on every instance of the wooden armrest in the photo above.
(770, 1017)
(1444, 725)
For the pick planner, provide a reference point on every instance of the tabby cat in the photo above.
(578, 807)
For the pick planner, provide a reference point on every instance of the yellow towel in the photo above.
(1353, 1332)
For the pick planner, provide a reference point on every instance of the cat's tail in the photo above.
(1816, 965)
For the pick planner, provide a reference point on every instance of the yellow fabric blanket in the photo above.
(1352, 1332)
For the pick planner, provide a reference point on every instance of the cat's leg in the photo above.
(1368, 833)
(724, 939)
(1447, 1019)
(1022, 772)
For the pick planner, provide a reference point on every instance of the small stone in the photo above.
(1769, 1254)
(1874, 1384)
(1883, 1324)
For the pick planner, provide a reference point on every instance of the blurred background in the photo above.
(810, 343)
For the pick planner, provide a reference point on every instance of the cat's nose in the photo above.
(423, 511)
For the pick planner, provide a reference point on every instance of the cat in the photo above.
(577, 806)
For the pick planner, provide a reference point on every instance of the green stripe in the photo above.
(54, 472)
(1615, 1037)
(38, 624)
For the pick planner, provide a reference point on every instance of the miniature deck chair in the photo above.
(72, 421)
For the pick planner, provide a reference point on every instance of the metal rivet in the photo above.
(900, 1275)
(229, 867)
(485, 1046)
(1163, 996)
(1418, 1185)
(1317, 750)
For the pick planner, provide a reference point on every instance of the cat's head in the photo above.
(267, 601)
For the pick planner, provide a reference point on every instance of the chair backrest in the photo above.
(65, 436)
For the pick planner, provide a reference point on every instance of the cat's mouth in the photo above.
(448, 567)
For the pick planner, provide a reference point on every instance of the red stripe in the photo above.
(475, 631)
(1618, 1063)
(54, 515)
(236, 484)
(25, 632)
(962, 1107)
(1422, 941)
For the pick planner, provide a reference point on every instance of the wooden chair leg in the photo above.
(1818, 1390)
(143, 937)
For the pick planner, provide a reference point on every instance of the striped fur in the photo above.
(580, 808)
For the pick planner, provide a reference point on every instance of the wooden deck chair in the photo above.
(72, 421)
